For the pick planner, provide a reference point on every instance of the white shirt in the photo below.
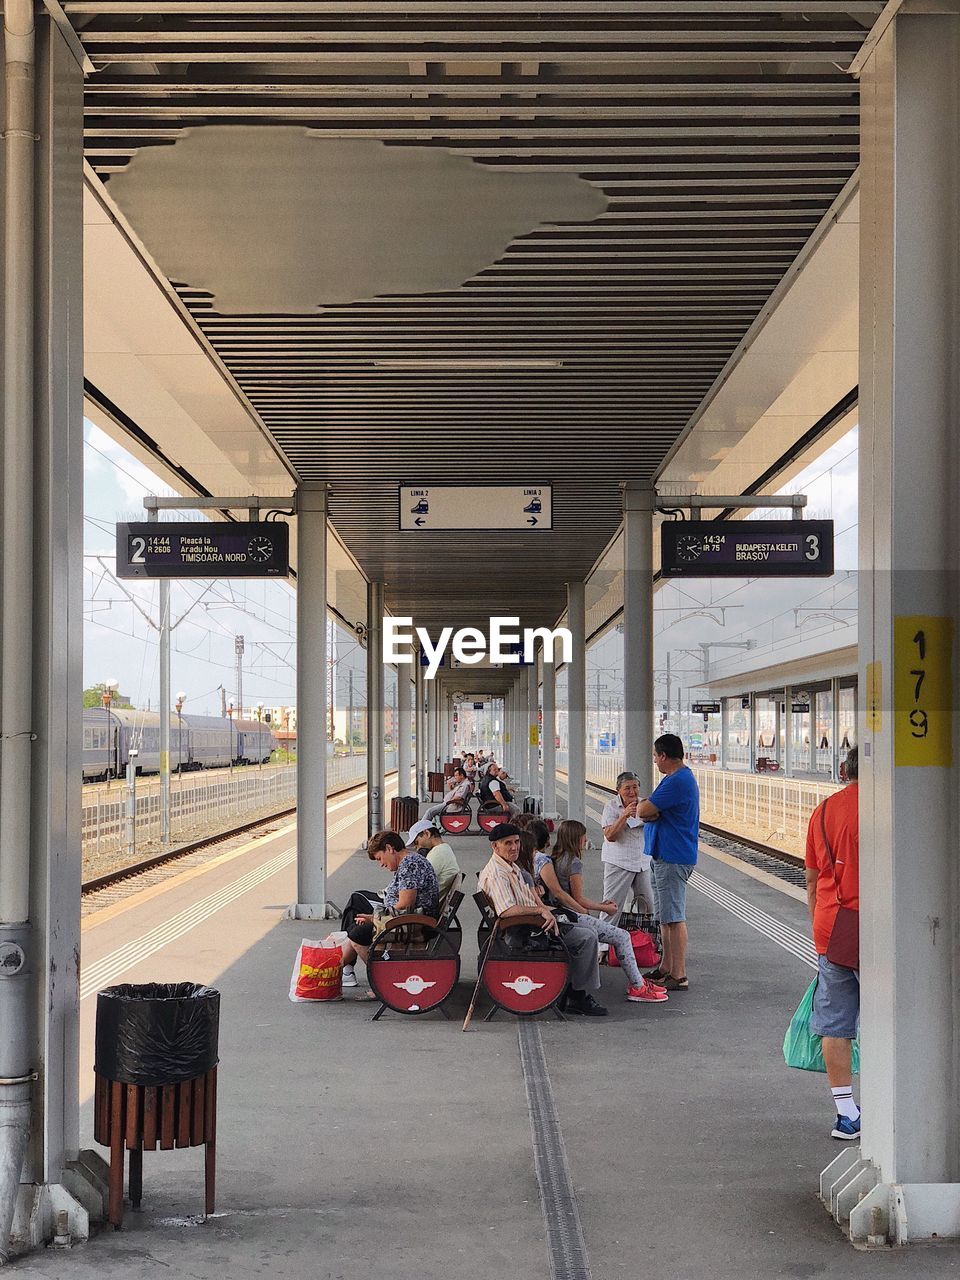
(627, 850)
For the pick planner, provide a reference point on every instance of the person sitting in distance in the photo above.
(494, 793)
(413, 889)
(457, 796)
(503, 883)
(428, 840)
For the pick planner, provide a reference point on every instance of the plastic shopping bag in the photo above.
(316, 972)
(801, 1048)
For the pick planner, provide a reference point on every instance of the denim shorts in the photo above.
(836, 1001)
(670, 890)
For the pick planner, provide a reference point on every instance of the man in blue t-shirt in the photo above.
(671, 832)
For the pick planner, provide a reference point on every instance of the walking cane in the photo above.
(476, 989)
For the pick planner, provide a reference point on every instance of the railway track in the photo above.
(114, 877)
(769, 850)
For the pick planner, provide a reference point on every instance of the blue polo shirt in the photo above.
(673, 836)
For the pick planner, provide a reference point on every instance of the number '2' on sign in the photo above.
(923, 691)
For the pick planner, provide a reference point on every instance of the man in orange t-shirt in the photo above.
(836, 1002)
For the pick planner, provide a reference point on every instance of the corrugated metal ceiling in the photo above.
(719, 130)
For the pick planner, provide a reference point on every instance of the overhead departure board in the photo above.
(203, 549)
(746, 548)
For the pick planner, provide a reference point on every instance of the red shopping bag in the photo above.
(316, 973)
(644, 948)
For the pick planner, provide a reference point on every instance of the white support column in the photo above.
(577, 705)
(507, 757)
(724, 731)
(638, 507)
(375, 704)
(404, 697)
(787, 733)
(312, 708)
(908, 624)
(523, 754)
(835, 729)
(549, 734)
(533, 730)
(421, 724)
(432, 750)
(41, 625)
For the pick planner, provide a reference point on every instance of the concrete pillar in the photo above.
(533, 729)
(548, 737)
(421, 726)
(41, 617)
(312, 709)
(835, 729)
(787, 732)
(404, 699)
(638, 507)
(577, 705)
(724, 732)
(375, 703)
(523, 754)
(909, 606)
(432, 749)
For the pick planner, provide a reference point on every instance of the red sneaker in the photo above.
(647, 994)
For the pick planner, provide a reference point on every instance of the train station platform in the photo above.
(406, 1148)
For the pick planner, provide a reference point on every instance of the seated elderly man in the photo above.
(494, 793)
(428, 840)
(510, 895)
(413, 889)
(457, 797)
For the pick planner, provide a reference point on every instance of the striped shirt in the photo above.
(505, 887)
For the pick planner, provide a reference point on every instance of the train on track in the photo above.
(196, 742)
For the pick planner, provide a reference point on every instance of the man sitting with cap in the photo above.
(428, 840)
(457, 797)
(510, 895)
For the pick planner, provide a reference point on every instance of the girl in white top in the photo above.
(626, 867)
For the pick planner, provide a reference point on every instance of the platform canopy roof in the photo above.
(651, 167)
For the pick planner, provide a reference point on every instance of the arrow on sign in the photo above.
(532, 520)
(419, 521)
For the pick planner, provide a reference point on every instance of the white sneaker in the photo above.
(348, 978)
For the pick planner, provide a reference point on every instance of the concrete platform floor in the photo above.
(403, 1148)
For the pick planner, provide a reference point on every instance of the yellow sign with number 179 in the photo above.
(923, 691)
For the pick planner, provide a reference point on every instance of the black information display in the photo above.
(706, 708)
(253, 549)
(746, 548)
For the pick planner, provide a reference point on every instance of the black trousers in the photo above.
(365, 902)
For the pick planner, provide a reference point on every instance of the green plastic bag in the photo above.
(801, 1048)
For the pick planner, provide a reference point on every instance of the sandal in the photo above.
(676, 984)
(657, 975)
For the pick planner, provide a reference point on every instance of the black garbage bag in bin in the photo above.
(157, 1033)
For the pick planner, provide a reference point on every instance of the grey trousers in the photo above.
(617, 883)
(582, 943)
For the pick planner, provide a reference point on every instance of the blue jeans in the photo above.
(670, 887)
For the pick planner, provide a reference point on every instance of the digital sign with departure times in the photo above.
(746, 548)
(253, 549)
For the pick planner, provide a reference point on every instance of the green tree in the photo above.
(93, 697)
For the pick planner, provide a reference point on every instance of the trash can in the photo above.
(403, 812)
(448, 770)
(155, 1073)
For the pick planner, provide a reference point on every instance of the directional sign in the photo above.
(252, 549)
(439, 508)
(799, 708)
(746, 548)
(478, 706)
(706, 708)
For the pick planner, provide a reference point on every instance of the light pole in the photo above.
(109, 690)
(230, 717)
(259, 711)
(181, 699)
